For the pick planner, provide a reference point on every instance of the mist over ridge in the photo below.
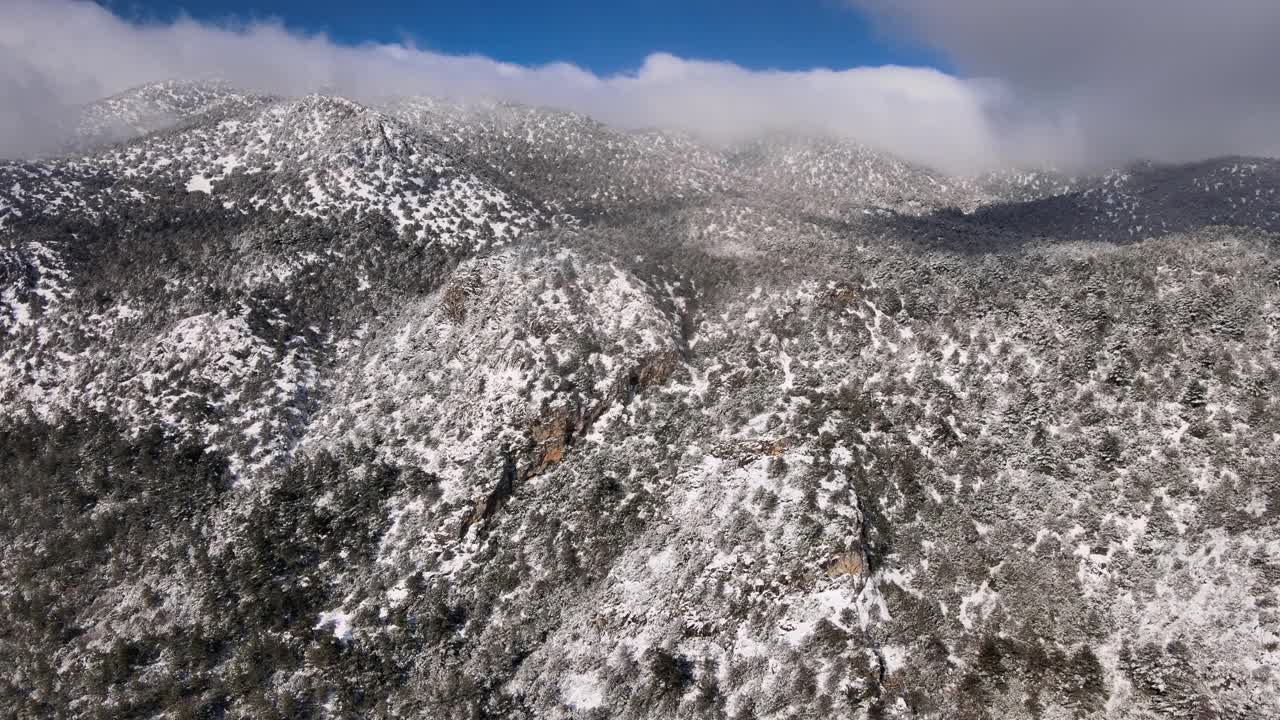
(59, 54)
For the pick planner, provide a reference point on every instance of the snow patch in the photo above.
(200, 183)
(582, 691)
(339, 621)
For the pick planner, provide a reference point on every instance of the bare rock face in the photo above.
(315, 409)
(552, 437)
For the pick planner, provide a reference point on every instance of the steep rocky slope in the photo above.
(311, 409)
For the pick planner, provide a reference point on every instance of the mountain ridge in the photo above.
(314, 408)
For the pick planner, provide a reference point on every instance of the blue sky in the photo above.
(604, 36)
(1069, 83)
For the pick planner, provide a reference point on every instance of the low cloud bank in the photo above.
(1168, 80)
(56, 54)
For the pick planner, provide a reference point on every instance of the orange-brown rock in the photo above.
(554, 433)
(656, 369)
(845, 564)
(745, 452)
(552, 436)
(843, 295)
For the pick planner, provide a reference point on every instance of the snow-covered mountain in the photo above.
(317, 409)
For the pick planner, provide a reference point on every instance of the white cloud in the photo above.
(55, 53)
(1065, 82)
(1165, 79)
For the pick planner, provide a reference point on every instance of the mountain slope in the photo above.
(311, 409)
(155, 107)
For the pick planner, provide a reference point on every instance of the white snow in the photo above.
(338, 621)
(200, 183)
(582, 691)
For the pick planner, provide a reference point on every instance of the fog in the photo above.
(1159, 79)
